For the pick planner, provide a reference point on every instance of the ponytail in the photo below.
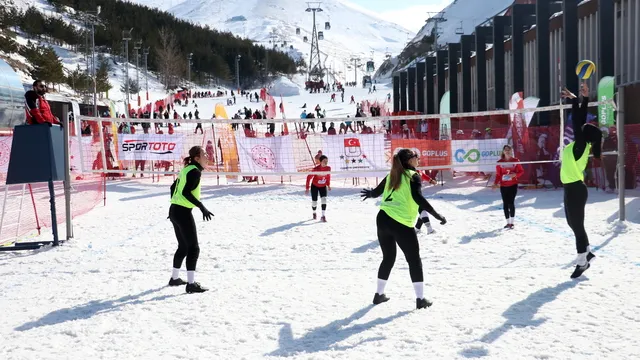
(194, 152)
(398, 167)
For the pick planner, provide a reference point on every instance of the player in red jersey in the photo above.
(423, 215)
(319, 185)
(508, 171)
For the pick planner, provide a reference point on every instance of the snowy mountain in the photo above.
(460, 16)
(352, 32)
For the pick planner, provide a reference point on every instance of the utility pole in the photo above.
(91, 18)
(145, 52)
(238, 72)
(273, 39)
(436, 19)
(126, 37)
(137, 47)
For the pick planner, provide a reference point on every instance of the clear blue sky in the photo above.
(411, 14)
(386, 5)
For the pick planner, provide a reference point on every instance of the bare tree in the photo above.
(170, 63)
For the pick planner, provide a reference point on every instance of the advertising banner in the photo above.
(432, 152)
(606, 88)
(260, 155)
(359, 153)
(150, 147)
(478, 155)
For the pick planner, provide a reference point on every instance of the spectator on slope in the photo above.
(185, 195)
(38, 109)
(319, 185)
(401, 198)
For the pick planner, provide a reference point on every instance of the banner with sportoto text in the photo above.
(265, 155)
(151, 147)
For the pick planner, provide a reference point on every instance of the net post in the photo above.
(104, 151)
(4, 206)
(24, 188)
(561, 132)
(67, 172)
(621, 155)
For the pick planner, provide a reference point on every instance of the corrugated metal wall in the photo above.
(627, 41)
(530, 69)
(588, 46)
(508, 77)
(474, 89)
(491, 86)
(555, 63)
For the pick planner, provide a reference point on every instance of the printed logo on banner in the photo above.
(153, 147)
(263, 157)
(352, 147)
(474, 155)
(432, 152)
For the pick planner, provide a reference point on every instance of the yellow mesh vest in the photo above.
(572, 170)
(399, 203)
(177, 197)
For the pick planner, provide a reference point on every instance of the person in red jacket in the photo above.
(38, 109)
(508, 171)
(319, 185)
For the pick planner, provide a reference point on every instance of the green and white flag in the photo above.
(606, 88)
(445, 108)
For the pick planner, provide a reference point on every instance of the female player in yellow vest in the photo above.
(185, 195)
(401, 198)
(575, 157)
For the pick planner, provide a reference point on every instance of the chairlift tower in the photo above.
(316, 71)
(436, 19)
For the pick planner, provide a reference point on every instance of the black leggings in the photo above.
(314, 195)
(185, 228)
(575, 199)
(509, 200)
(390, 233)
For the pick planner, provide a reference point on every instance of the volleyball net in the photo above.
(464, 143)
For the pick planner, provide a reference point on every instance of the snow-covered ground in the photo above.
(283, 285)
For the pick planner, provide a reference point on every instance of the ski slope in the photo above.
(283, 285)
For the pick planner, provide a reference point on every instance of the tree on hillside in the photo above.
(169, 59)
(46, 64)
(79, 81)
(134, 87)
(102, 75)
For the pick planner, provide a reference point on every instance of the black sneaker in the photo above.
(423, 303)
(176, 282)
(195, 288)
(507, 226)
(590, 256)
(379, 298)
(579, 270)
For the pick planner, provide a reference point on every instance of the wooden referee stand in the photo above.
(40, 153)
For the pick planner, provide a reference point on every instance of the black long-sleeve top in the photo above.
(193, 179)
(578, 119)
(416, 194)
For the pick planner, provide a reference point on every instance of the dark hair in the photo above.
(193, 153)
(35, 83)
(503, 148)
(398, 167)
(323, 157)
(593, 135)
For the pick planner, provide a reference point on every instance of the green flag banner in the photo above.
(606, 88)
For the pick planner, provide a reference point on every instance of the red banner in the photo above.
(432, 152)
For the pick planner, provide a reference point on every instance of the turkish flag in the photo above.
(348, 142)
